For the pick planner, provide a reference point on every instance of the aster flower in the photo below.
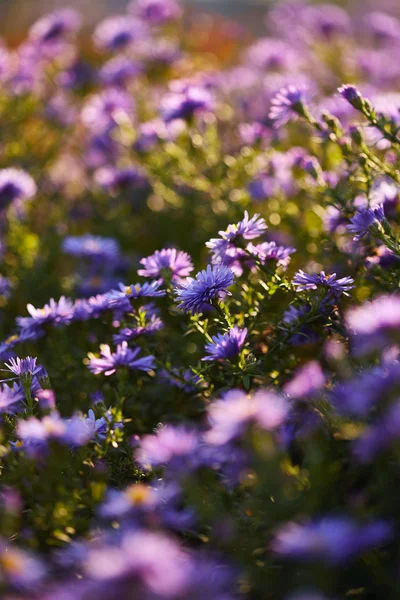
(269, 251)
(91, 246)
(307, 381)
(119, 71)
(98, 111)
(130, 333)
(16, 187)
(226, 346)
(167, 264)
(335, 539)
(185, 101)
(305, 282)
(364, 392)
(11, 398)
(287, 105)
(156, 12)
(195, 294)
(228, 249)
(20, 569)
(54, 313)
(117, 179)
(122, 357)
(55, 26)
(120, 298)
(365, 220)
(374, 324)
(350, 93)
(115, 33)
(230, 416)
(169, 444)
(24, 368)
(71, 432)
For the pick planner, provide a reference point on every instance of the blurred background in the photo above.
(16, 15)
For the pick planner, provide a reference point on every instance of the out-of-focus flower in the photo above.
(287, 105)
(229, 417)
(169, 444)
(185, 101)
(335, 539)
(98, 112)
(375, 323)
(55, 26)
(307, 381)
(118, 71)
(156, 12)
(92, 246)
(115, 33)
(226, 346)
(16, 188)
(167, 264)
(195, 294)
(124, 356)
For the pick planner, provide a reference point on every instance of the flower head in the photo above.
(122, 357)
(120, 298)
(194, 294)
(229, 417)
(304, 282)
(91, 246)
(115, 33)
(167, 263)
(156, 12)
(55, 26)
(364, 220)
(334, 539)
(374, 324)
(54, 313)
(287, 105)
(352, 95)
(185, 101)
(16, 187)
(226, 346)
(169, 443)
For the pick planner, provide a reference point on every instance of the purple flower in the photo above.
(167, 264)
(308, 380)
(20, 569)
(122, 357)
(24, 368)
(169, 444)
(71, 432)
(226, 346)
(16, 187)
(120, 298)
(352, 95)
(119, 71)
(228, 249)
(184, 101)
(230, 416)
(364, 392)
(11, 398)
(91, 246)
(156, 12)
(117, 179)
(269, 251)
(327, 20)
(99, 110)
(364, 220)
(378, 437)
(54, 313)
(194, 294)
(375, 323)
(335, 540)
(287, 105)
(55, 26)
(142, 558)
(304, 282)
(115, 33)
(130, 333)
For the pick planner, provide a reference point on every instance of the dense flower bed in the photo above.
(200, 308)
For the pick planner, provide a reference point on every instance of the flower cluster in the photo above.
(228, 425)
